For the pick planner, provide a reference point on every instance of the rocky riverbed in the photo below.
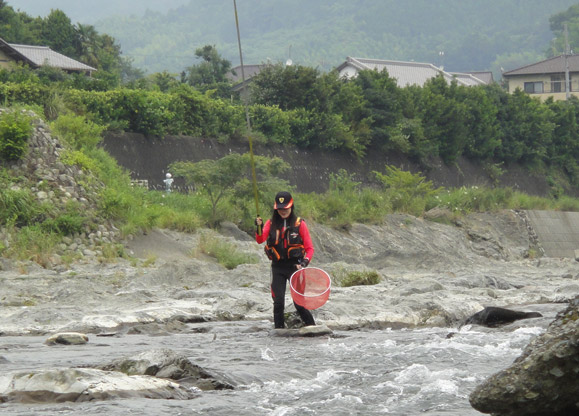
(433, 275)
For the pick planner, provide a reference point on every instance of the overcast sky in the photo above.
(90, 11)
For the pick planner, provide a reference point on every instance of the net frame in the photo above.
(312, 301)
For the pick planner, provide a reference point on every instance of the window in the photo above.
(558, 83)
(534, 87)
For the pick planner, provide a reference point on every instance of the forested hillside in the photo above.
(473, 34)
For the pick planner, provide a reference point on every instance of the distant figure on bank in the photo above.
(168, 182)
(289, 247)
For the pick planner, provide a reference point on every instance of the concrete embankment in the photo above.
(148, 158)
(557, 232)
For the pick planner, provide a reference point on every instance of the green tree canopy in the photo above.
(211, 73)
(229, 176)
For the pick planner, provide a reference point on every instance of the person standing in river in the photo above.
(289, 247)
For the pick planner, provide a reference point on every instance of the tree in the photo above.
(288, 87)
(59, 33)
(443, 117)
(382, 97)
(229, 176)
(17, 27)
(211, 73)
(87, 44)
(564, 150)
(527, 129)
(483, 136)
(570, 17)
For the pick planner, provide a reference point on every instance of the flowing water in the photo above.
(427, 371)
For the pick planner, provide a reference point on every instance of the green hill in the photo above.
(474, 35)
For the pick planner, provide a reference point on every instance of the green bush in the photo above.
(345, 203)
(70, 221)
(22, 92)
(77, 131)
(408, 192)
(360, 278)
(18, 207)
(33, 243)
(78, 158)
(15, 131)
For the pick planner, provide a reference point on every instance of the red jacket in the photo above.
(304, 234)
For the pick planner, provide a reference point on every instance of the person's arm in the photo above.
(264, 232)
(308, 245)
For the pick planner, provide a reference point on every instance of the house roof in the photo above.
(43, 55)
(467, 79)
(249, 71)
(554, 65)
(484, 76)
(409, 73)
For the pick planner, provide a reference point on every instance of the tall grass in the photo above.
(34, 244)
(227, 254)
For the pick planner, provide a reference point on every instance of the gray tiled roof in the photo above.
(467, 79)
(555, 65)
(484, 76)
(248, 70)
(409, 73)
(43, 55)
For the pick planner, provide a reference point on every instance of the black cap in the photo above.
(283, 200)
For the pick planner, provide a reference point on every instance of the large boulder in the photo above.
(57, 385)
(67, 338)
(543, 380)
(493, 316)
(166, 363)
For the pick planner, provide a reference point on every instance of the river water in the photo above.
(429, 371)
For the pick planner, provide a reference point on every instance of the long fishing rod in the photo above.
(247, 119)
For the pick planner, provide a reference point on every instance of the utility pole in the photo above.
(566, 63)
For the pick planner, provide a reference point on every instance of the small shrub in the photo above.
(15, 130)
(360, 278)
(113, 251)
(408, 192)
(77, 131)
(78, 158)
(69, 221)
(18, 207)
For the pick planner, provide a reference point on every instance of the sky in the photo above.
(90, 11)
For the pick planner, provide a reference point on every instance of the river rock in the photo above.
(166, 363)
(492, 316)
(67, 338)
(56, 385)
(306, 331)
(543, 380)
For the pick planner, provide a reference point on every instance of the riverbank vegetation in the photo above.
(288, 105)
(38, 227)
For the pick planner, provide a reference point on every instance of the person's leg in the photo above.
(278, 284)
(305, 314)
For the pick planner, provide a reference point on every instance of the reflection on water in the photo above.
(394, 372)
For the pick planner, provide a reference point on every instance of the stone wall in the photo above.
(52, 182)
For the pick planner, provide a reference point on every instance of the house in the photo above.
(235, 76)
(546, 78)
(37, 56)
(410, 73)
